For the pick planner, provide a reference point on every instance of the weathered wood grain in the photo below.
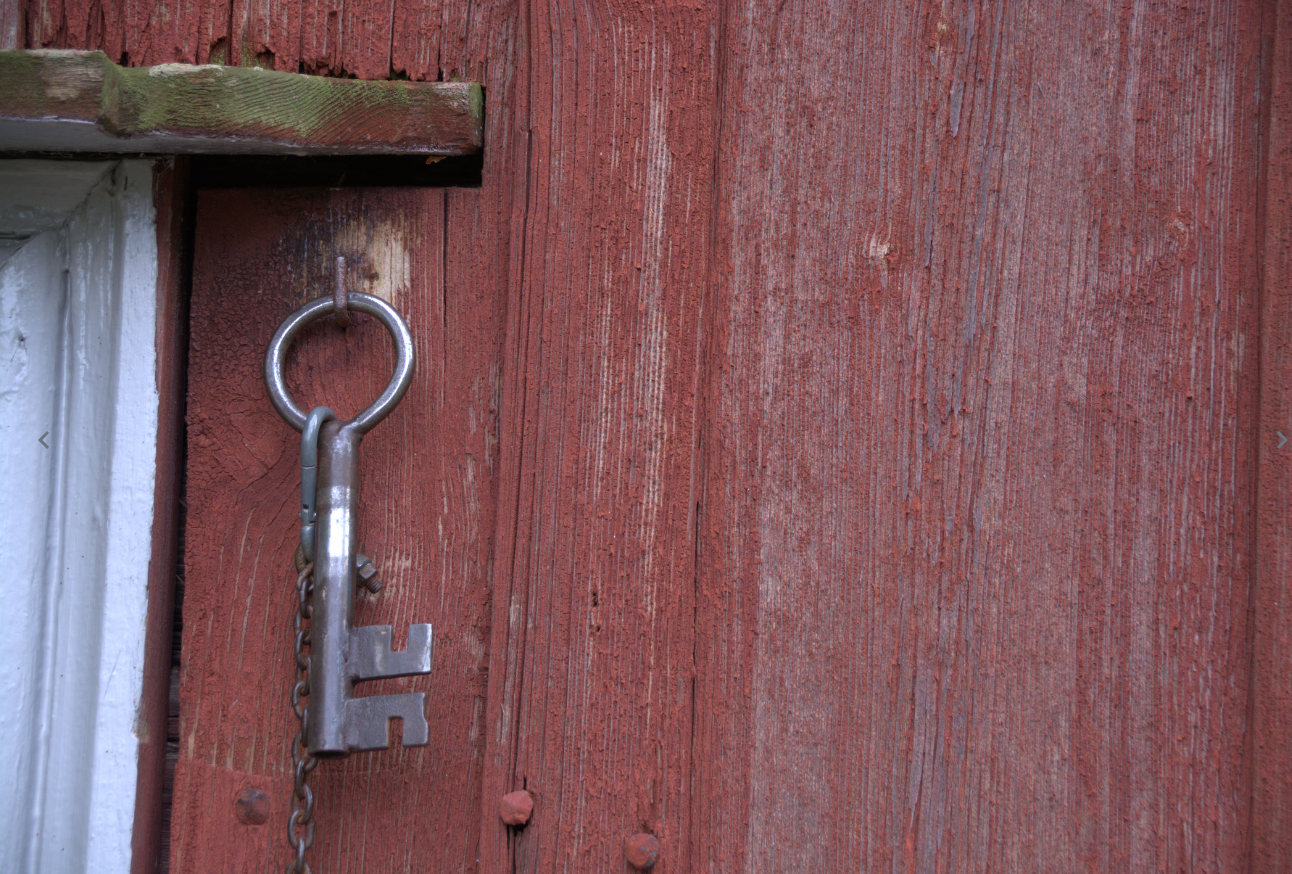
(354, 38)
(967, 296)
(265, 35)
(590, 695)
(980, 385)
(80, 101)
(79, 24)
(1272, 601)
(426, 516)
(13, 27)
(149, 32)
(415, 47)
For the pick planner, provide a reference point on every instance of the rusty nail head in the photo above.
(516, 808)
(642, 850)
(251, 806)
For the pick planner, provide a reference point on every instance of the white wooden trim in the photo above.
(78, 293)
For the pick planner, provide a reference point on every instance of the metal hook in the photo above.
(405, 358)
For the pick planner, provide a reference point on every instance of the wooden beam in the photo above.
(74, 101)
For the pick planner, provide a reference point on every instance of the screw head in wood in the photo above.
(642, 850)
(516, 808)
(251, 806)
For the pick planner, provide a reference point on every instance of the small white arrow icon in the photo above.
(1282, 439)
(42, 439)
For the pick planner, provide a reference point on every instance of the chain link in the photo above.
(300, 825)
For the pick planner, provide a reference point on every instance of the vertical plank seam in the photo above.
(390, 67)
(233, 58)
(300, 36)
(444, 266)
(515, 403)
(1266, 388)
(522, 374)
(701, 437)
(173, 202)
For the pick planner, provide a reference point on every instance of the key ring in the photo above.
(316, 309)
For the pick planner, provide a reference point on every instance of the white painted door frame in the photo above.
(78, 450)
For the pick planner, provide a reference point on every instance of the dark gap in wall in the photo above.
(172, 705)
(188, 227)
(289, 171)
(381, 171)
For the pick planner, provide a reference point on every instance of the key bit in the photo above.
(367, 721)
(366, 574)
(372, 658)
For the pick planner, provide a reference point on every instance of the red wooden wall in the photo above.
(980, 406)
(885, 472)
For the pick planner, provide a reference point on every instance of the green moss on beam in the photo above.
(80, 101)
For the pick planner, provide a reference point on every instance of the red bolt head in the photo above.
(516, 808)
(642, 850)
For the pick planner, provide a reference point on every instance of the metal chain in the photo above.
(300, 825)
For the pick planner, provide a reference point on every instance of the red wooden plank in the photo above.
(13, 24)
(162, 31)
(1272, 602)
(590, 695)
(77, 24)
(486, 232)
(266, 34)
(171, 196)
(213, 20)
(133, 32)
(347, 39)
(474, 249)
(426, 517)
(977, 521)
(415, 38)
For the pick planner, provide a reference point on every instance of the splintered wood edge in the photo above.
(74, 101)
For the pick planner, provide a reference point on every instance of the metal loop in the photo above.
(301, 786)
(315, 309)
(295, 821)
(301, 689)
(304, 792)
